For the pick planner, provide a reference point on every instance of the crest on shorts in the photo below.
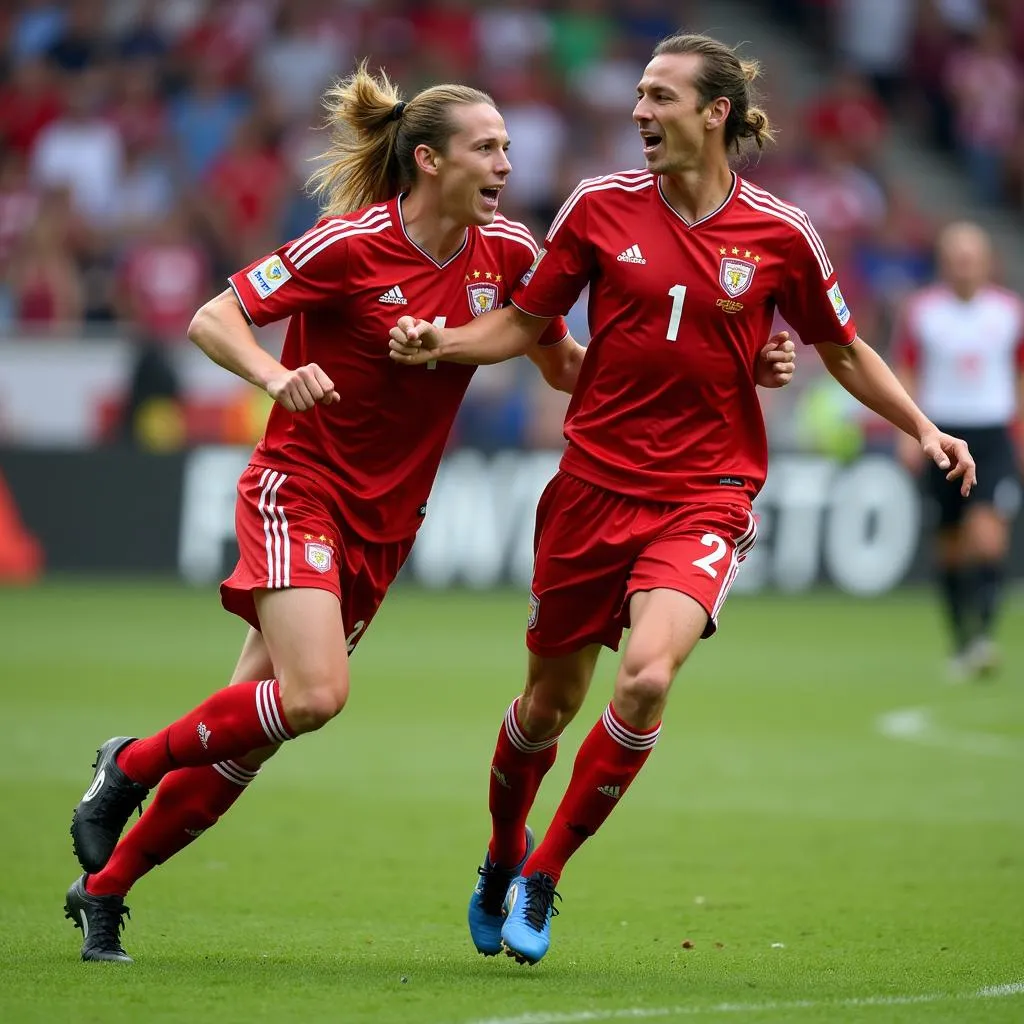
(735, 275)
(483, 297)
(534, 610)
(319, 556)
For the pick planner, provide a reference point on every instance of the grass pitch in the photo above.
(826, 832)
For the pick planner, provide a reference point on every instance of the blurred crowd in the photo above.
(150, 147)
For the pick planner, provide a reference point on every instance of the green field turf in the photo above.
(821, 870)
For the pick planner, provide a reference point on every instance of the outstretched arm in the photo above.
(863, 372)
(559, 364)
(490, 338)
(221, 330)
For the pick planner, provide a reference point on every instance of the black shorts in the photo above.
(998, 481)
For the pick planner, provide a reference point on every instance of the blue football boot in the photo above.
(529, 907)
(485, 905)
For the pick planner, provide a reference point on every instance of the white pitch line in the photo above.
(1015, 988)
(915, 725)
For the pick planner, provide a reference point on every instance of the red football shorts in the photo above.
(291, 534)
(594, 549)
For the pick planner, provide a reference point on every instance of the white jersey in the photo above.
(967, 355)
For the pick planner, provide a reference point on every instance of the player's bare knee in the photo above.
(644, 688)
(545, 710)
(311, 706)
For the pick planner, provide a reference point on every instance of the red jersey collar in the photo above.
(423, 252)
(714, 213)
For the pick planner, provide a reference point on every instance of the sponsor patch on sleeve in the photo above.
(525, 279)
(268, 276)
(839, 304)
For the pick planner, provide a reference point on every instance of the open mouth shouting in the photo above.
(490, 196)
(651, 140)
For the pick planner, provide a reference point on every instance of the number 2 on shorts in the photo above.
(707, 562)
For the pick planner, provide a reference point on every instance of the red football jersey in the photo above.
(345, 283)
(666, 406)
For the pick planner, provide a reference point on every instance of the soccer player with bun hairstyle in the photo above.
(649, 516)
(328, 508)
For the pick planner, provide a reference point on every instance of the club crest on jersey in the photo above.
(483, 297)
(319, 556)
(531, 620)
(735, 275)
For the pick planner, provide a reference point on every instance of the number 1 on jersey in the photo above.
(438, 321)
(678, 293)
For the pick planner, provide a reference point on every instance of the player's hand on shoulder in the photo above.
(952, 454)
(776, 362)
(300, 389)
(414, 341)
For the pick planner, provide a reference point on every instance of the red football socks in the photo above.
(516, 772)
(188, 802)
(608, 761)
(228, 724)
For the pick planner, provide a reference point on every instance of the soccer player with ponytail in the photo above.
(328, 508)
(649, 516)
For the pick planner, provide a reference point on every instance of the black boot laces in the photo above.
(496, 883)
(540, 899)
(106, 921)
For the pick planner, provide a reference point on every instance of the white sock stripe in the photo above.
(230, 771)
(626, 737)
(259, 710)
(518, 737)
(266, 708)
(273, 688)
(244, 772)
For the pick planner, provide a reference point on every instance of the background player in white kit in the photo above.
(960, 351)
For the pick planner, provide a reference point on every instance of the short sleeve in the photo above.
(303, 274)
(562, 268)
(811, 300)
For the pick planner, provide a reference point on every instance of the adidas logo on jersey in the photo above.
(394, 297)
(613, 791)
(631, 255)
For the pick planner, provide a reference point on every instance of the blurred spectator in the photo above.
(82, 150)
(243, 194)
(46, 289)
(510, 37)
(29, 101)
(850, 116)
(35, 28)
(985, 85)
(19, 205)
(142, 37)
(306, 52)
(163, 279)
(873, 36)
(582, 29)
(204, 117)
(80, 44)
